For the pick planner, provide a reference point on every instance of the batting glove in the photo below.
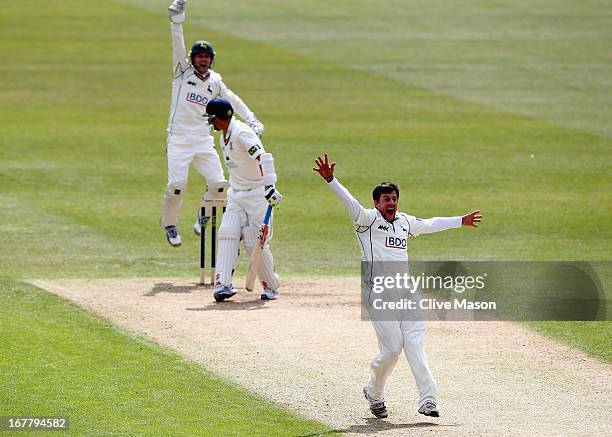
(256, 125)
(176, 10)
(273, 196)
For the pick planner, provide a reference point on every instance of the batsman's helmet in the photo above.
(201, 47)
(219, 108)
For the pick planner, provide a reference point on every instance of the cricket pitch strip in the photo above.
(309, 351)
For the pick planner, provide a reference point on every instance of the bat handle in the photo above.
(268, 214)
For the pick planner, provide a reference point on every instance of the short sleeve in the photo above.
(251, 143)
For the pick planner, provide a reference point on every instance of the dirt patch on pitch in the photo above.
(310, 352)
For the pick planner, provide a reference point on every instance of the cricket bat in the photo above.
(258, 252)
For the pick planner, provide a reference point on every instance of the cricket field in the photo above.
(504, 107)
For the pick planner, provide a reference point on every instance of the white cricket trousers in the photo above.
(393, 337)
(184, 149)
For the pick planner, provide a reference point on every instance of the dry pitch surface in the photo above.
(309, 351)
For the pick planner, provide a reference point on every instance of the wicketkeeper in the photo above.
(252, 179)
(375, 228)
(194, 84)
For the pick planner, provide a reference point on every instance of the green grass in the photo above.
(58, 360)
(83, 168)
(466, 104)
(548, 59)
(592, 337)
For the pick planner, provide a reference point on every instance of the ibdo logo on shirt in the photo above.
(395, 242)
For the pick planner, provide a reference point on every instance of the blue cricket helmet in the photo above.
(219, 108)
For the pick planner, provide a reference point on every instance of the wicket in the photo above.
(213, 200)
(204, 219)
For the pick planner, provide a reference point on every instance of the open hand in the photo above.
(324, 168)
(471, 219)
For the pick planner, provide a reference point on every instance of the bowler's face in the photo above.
(387, 205)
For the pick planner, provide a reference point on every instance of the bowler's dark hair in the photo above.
(384, 188)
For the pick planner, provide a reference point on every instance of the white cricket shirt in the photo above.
(241, 147)
(190, 94)
(381, 240)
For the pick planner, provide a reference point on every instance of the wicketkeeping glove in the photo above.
(257, 126)
(273, 196)
(176, 10)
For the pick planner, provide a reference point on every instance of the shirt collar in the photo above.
(226, 137)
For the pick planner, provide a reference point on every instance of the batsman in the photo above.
(252, 179)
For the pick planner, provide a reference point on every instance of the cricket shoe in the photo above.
(429, 408)
(223, 292)
(197, 227)
(269, 294)
(377, 408)
(173, 236)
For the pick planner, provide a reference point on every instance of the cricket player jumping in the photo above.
(252, 187)
(194, 84)
(374, 227)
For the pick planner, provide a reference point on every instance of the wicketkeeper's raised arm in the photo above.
(326, 171)
(176, 10)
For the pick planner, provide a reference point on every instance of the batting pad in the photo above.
(250, 234)
(231, 225)
(228, 256)
(266, 270)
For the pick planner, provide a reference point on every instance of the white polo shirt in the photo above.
(381, 240)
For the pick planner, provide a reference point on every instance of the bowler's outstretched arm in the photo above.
(326, 170)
